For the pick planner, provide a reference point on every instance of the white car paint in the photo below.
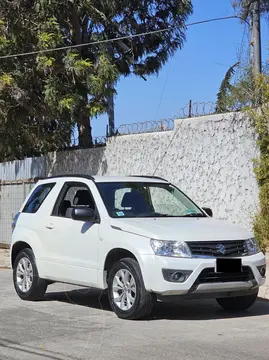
(182, 229)
(75, 252)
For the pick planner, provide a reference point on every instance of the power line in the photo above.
(238, 71)
(167, 148)
(241, 50)
(163, 90)
(114, 39)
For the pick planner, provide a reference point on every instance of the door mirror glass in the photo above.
(83, 214)
(208, 211)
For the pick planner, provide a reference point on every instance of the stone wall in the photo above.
(210, 158)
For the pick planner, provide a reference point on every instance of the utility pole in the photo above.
(255, 23)
(110, 100)
(111, 113)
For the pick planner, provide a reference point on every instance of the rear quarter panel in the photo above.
(29, 226)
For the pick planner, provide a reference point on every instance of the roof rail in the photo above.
(88, 177)
(149, 177)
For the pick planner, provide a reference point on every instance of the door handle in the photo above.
(50, 226)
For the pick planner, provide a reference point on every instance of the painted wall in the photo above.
(210, 158)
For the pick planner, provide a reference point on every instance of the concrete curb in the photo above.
(263, 293)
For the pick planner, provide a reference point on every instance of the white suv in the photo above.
(140, 238)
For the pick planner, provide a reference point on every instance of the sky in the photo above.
(194, 73)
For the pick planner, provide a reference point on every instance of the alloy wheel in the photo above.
(124, 289)
(24, 275)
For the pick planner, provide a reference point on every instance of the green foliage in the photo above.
(43, 96)
(6, 80)
(244, 7)
(67, 103)
(237, 94)
(260, 118)
(44, 63)
(74, 64)
(50, 34)
(225, 91)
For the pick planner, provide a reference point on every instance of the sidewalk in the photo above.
(264, 290)
(4, 259)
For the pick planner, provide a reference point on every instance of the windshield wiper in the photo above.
(193, 215)
(152, 215)
(155, 215)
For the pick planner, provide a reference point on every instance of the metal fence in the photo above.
(12, 195)
(195, 109)
(146, 127)
(96, 141)
(192, 109)
(28, 168)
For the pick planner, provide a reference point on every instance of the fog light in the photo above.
(179, 276)
(262, 270)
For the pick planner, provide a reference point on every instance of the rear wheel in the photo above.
(27, 282)
(238, 303)
(126, 290)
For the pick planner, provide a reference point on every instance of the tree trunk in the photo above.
(83, 118)
(84, 128)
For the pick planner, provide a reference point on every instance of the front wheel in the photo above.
(238, 303)
(126, 291)
(27, 283)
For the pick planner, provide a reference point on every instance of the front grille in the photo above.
(218, 248)
(210, 276)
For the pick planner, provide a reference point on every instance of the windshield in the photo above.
(137, 199)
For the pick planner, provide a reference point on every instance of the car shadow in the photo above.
(183, 310)
(92, 298)
(204, 310)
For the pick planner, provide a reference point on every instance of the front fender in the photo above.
(123, 241)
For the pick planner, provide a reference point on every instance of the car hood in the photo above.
(186, 229)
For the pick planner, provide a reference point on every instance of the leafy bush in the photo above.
(260, 117)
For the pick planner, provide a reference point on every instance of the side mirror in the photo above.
(208, 211)
(84, 214)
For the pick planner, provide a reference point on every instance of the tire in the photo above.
(238, 303)
(37, 288)
(143, 300)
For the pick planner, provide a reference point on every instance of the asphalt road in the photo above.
(78, 324)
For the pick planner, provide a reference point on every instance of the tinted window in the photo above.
(73, 195)
(37, 198)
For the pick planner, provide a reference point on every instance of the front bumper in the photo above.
(152, 267)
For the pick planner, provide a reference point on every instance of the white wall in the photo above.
(210, 158)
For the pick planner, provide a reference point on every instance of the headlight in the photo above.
(252, 246)
(170, 248)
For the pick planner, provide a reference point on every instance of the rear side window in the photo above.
(37, 198)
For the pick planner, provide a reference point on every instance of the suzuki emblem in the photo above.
(221, 249)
